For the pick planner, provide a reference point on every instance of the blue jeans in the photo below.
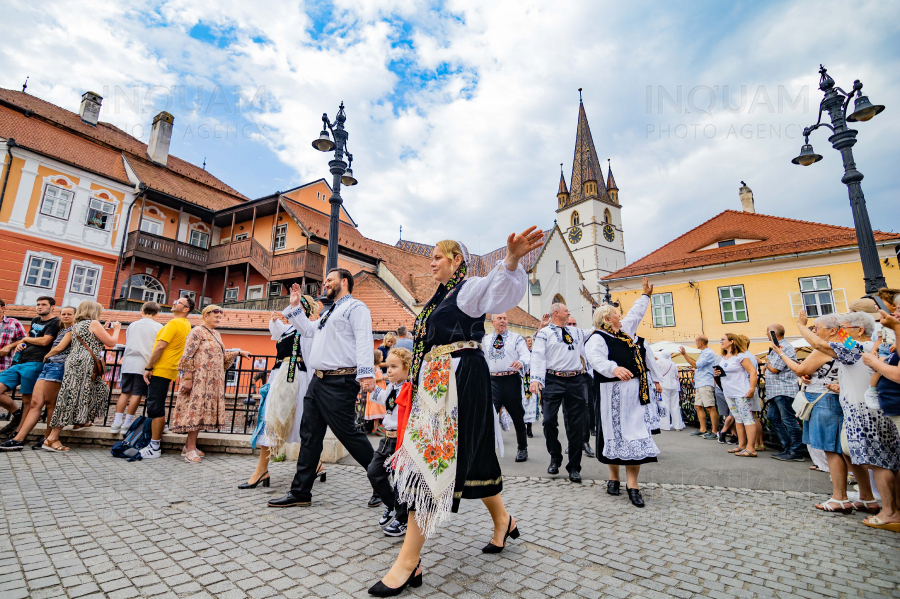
(781, 415)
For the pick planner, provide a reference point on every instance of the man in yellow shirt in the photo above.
(162, 369)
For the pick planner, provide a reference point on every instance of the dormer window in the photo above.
(726, 243)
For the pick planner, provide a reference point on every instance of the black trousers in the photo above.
(506, 392)
(330, 402)
(589, 421)
(569, 392)
(379, 477)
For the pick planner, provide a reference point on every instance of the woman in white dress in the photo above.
(622, 394)
(670, 413)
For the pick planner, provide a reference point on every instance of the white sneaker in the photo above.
(149, 453)
(115, 429)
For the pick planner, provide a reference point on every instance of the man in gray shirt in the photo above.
(403, 339)
(781, 388)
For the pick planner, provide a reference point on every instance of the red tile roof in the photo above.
(777, 237)
(413, 270)
(61, 134)
(520, 317)
(388, 310)
(481, 265)
(318, 224)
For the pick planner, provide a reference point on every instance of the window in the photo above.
(733, 304)
(817, 297)
(274, 289)
(199, 239)
(607, 216)
(187, 293)
(57, 202)
(41, 272)
(281, 237)
(557, 266)
(154, 227)
(663, 310)
(726, 243)
(100, 214)
(241, 236)
(84, 280)
(576, 219)
(145, 288)
(231, 378)
(231, 294)
(255, 292)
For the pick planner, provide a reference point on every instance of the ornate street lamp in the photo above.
(342, 174)
(843, 139)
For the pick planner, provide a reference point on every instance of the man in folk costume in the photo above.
(557, 373)
(508, 357)
(589, 420)
(341, 358)
(446, 451)
(623, 394)
(529, 399)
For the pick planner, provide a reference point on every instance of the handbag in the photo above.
(803, 407)
(99, 366)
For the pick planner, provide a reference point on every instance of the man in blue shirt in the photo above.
(704, 383)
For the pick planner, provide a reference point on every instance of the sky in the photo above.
(460, 112)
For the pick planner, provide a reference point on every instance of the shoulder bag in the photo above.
(99, 366)
(803, 407)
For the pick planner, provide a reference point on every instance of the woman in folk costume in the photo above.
(447, 452)
(670, 409)
(281, 407)
(623, 394)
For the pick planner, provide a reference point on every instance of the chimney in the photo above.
(90, 108)
(160, 136)
(746, 195)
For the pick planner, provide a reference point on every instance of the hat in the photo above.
(864, 304)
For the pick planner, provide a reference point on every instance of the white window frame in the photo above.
(201, 241)
(273, 286)
(103, 208)
(658, 310)
(42, 262)
(729, 304)
(90, 278)
(60, 193)
(280, 241)
(188, 293)
(231, 378)
(229, 296)
(819, 288)
(255, 289)
(241, 236)
(152, 221)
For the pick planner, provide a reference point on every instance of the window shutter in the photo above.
(796, 300)
(84, 214)
(840, 301)
(114, 222)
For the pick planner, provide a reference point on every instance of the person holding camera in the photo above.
(782, 387)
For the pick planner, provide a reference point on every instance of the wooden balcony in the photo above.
(289, 265)
(267, 303)
(135, 306)
(168, 251)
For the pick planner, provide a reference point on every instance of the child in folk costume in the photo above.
(373, 410)
(394, 518)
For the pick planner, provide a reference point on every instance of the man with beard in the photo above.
(342, 357)
(507, 357)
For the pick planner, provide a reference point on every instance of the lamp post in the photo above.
(342, 174)
(843, 139)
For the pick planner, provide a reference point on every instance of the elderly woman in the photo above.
(201, 396)
(83, 393)
(622, 393)
(446, 452)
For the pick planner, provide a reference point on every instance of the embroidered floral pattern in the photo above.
(437, 377)
(438, 448)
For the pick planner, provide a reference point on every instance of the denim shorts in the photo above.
(52, 372)
(22, 375)
(823, 429)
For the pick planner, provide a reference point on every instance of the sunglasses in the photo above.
(217, 311)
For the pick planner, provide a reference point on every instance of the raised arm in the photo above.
(295, 313)
(636, 314)
(108, 337)
(687, 358)
(501, 290)
(277, 326)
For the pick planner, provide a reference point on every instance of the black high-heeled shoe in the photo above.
(320, 473)
(510, 532)
(379, 589)
(264, 479)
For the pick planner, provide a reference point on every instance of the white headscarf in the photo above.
(465, 253)
(668, 369)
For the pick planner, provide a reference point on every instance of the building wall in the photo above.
(771, 289)
(565, 283)
(316, 197)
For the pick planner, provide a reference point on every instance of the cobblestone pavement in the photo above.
(87, 525)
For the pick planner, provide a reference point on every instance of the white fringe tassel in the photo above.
(412, 489)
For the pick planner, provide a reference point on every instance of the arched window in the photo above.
(145, 288)
(558, 299)
(576, 219)
(607, 216)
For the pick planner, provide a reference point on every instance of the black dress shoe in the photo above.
(553, 468)
(588, 451)
(612, 487)
(635, 496)
(528, 431)
(374, 501)
(14, 420)
(382, 590)
(522, 455)
(575, 476)
(290, 500)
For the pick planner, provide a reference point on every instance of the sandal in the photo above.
(816, 468)
(746, 454)
(845, 506)
(78, 427)
(735, 450)
(874, 522)
(55, 446)
(184, 453)
(867, 506)
(192, 456)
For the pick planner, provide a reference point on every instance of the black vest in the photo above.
(623, 355)
(448, 324)
(284, 347)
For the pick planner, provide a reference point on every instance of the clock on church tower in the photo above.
(575, 235)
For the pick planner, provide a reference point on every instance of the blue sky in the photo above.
(460, 112)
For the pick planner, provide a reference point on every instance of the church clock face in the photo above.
(574, 234)
(609, 233)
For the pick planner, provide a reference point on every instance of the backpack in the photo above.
(137, 437)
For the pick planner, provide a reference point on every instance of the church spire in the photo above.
(611, 183)
(585, 161)
(563, 194)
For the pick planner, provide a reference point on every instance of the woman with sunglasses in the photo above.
(201, 396)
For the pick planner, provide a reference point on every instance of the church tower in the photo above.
(589, 213)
